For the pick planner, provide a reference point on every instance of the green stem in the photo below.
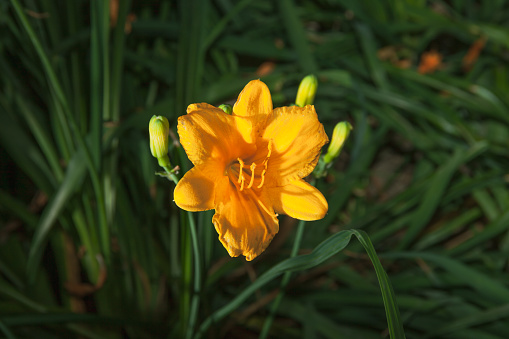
(195, 300)
(185, 295)
(171, 174)
(284, 282)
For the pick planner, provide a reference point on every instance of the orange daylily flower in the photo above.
(249, 167)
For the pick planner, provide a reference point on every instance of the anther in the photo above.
(253, 166)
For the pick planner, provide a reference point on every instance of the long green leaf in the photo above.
(297, 35)
(391, 307)
(480, 282)
(322, 252)
(72, 180)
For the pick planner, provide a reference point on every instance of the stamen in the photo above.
(253, 166)
(263, 179)
(241, 163)
(269, 146)
(241, 175)
(265, 164)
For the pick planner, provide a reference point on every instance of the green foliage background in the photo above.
(92, 246)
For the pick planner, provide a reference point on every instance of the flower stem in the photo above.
(195, 300)
(171, 174)
(284, 282)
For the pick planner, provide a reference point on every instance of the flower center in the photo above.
(246, 175)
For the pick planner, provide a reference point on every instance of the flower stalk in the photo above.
(159, 130)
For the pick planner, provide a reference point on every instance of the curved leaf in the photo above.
(322, 252)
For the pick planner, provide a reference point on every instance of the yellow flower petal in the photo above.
(212, 135)
(203, 106)
(297, 137)
(195, 191)
(254, 100)
(299, 200)
(245, 221)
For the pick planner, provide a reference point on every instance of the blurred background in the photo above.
(92, 245)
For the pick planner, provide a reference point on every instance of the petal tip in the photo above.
(255, 99)
(195, 191)
(244, 245)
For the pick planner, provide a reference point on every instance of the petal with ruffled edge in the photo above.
(299, 200)
(255, 102)
(212, 135)
(297, 138)
(195, 191)
(244, 220)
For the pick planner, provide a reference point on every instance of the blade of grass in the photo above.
(284, 282)
(391, 308)
(297, 36)
(25, 153)
(42, 138)
(492, 230)
(480, 282)
(50, 73)
(221, 25)
(479, 318)
(17, 208)
(6, 331)
(448, 229)
(97, 90)
(73, 179)
(435, 191)
(370, 55)
(316, 323)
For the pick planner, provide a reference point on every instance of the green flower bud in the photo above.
(228, 109)
(307, 91)
(159, 129)
(339, 135)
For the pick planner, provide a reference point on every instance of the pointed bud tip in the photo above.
(307, 91)
(339, 136)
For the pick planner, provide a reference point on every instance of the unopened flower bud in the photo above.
(228, 109)
(307, 91)
(159, 129)
(339, 136)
